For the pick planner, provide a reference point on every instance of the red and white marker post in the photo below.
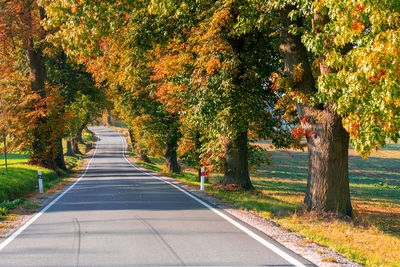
(203, 173)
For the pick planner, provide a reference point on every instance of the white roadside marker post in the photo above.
(202, 178)
(40, 182)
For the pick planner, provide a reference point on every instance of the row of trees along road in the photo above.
(40, 87)
(206, 78)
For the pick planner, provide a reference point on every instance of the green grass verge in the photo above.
(21, 179)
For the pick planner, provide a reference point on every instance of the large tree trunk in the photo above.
(60, 155)
(328, 176)
(236, 166)
(171, 157)
(109, 119)
(41, 154)
(131, 139)
(37, 81)
(75, 146)
(236, 160)
(69, 148)
(327, 140)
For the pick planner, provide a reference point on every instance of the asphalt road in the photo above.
(117, 215)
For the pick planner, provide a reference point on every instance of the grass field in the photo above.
(372, 238)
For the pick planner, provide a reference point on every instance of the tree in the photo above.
(218, 69)
(131, 79)
(83, 100)
(30, 102)
(335, 86)
(228, 74)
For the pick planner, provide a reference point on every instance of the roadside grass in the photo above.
(21, 179)
(372, 238)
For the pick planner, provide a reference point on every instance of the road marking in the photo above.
(261, 240)
(34, 218)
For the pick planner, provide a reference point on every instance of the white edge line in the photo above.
(9, 239)
(261, 240)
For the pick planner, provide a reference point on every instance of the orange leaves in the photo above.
(306, 119)
(170, 62)
(359, 7)
(276, 81)
(212, 66)
(298, 133)
(376, 78)
(208, 43)
(74, 9)
(358, 26)
(32, 118)
(352, 126)
(298, 73)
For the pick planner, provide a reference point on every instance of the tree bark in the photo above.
(236, 159)
(75, 146)
(171, 157)
(37, 81)
(69, 148)
(236, 166)
(109, 120)
(131, 139)
(60, 162)
(81, 128)
(328, 176)
(327, 140)
(41, 154)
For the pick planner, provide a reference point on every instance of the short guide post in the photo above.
(202, 178)
(40, 182)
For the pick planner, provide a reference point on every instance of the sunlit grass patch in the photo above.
(367, 245)
(20, 178)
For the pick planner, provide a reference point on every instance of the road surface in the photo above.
(117, 215)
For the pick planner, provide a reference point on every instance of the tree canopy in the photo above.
(204, 79)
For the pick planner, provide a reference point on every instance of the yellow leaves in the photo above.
(352, 125)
